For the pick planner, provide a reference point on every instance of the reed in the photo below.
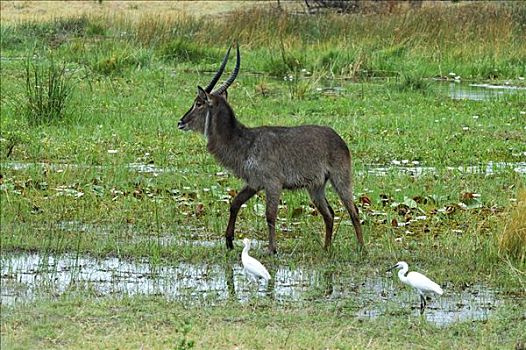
(48, 90)
(512, 242)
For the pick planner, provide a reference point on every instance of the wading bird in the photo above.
(418, 281)
(253, 268)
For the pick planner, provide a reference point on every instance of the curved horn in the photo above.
(232, 77)
(218, 73)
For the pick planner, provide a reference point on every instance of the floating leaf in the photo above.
(470, 200)
(297, 212)
(411, 203)
(69, 192)
(400, 208)
(469, 196)
(259, 209)
(199, 210)
(424, 199)
(99, 190)
(448, 209)
(115, 192)
(385, 199)
(365, 201)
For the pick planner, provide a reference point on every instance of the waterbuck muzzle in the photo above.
(196, 117)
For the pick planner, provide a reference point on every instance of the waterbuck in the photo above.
(272, 158)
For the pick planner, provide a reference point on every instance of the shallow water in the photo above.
(481, 92)
(455, 89)
(27, 277)
(403, 167)
(416, 170)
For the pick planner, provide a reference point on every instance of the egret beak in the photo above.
(391, 268)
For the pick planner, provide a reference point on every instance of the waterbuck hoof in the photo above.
(362, 250)
(272, 251)
(230, 243)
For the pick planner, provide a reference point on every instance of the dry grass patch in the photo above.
(18, 11)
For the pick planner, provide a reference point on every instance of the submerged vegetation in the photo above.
(93, 167)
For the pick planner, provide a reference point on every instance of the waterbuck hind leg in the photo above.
(320, 201)
(355, 218)
(271, 214)
(244, 195)
(342, 185)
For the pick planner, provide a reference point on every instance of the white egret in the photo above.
(252, 267)
(418, 281)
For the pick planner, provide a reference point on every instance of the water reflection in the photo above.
(481, 92)
(27, 277)
(372, 169)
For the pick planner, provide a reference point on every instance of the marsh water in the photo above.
(401, 167)
(27, 277)
(480, 92)
(453, 89)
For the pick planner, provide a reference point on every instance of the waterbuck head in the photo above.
(198, 117)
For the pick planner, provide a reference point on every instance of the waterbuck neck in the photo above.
(228, 139)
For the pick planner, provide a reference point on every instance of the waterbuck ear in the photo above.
(224, 95)
(202, 94)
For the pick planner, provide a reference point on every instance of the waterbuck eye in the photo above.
(198, 104)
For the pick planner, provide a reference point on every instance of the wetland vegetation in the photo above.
(112, 220)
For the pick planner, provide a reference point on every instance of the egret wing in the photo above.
(255, 267)
(422, 283)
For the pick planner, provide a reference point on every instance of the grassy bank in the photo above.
(157, 324)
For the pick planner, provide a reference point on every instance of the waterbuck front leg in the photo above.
(317, 196)
(271, 211)
(244, 195)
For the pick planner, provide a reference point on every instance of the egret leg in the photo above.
(250, 277)
(423, 303)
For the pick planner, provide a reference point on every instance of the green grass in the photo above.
(157, 324)
(133, 80)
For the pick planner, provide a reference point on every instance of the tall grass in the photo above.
(513, 240)
(478, 40)
(47, 92)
